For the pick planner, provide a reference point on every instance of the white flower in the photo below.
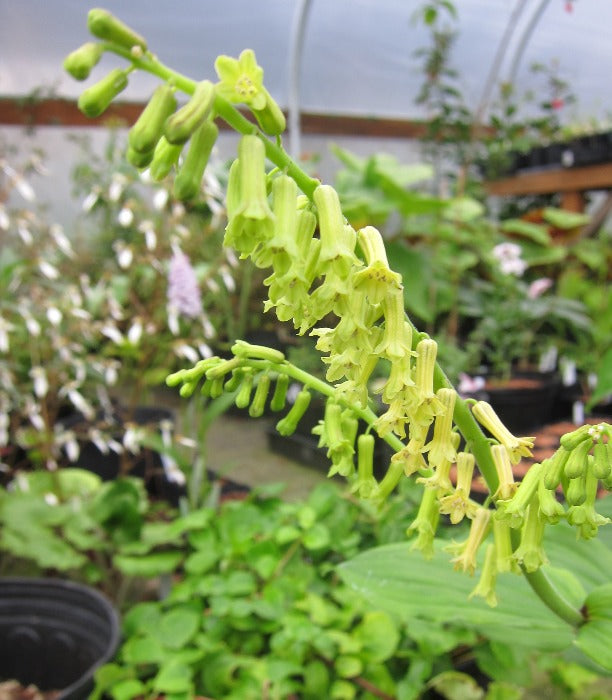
(32, 325)
(124, 253)
(213, 286)
(54, 316)
(81, 404)
(24, 233)
(125, 217)
(116, 187)
(209, 329)
(41, 385)
(135, 333)
(23, 187)
(49, 271)
(231, 258)
(5, 328)
(173, 320)
(132, 439)
(538, 287)
(5, 222)
(160, 198)
(113, 333)
(51, 499)
(509, 257)
(61, 240)
(186, 351)
(172, 471)
(227, 278)
(205, 350)
(90, 201)
(148, 229)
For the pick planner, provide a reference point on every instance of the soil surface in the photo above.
(12, 690)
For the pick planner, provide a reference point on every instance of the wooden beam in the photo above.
(591, 177)
(31, 112)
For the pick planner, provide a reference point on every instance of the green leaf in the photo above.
(148, 566)
(318, 537)
(143, 650)
(527, 229)
(604, 379)
(143, 618)
(400, 581)
(128, 689)
(594, 636)
(561, 218)
(173, 677)
(463, 209)
(379, 636)
(178, 626)
(348, 666)
(454, 685)
(414, 267)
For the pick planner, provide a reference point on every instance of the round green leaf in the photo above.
(178, 626)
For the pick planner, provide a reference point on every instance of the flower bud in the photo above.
(148, 129)
(601, 460)
(80, 62)
(570, 441)
(234, 381)
(138, 159)
(575, 494)
(287, 425)
(189, 177)
(277, 402)
(555, 468)
(271, 118)
(530, 553)
(466, 551)
(337, 240)
(94, 101)
(106, 26)
(182, 124)
(576, 464)
(165, 157)
(550, 508)
(258, 404)
(243, 397)
(257, 352)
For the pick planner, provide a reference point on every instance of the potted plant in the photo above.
(338, 286)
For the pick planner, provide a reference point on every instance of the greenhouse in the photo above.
(305, 350)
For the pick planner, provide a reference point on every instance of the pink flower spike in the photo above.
(538, 287)
(183, 290)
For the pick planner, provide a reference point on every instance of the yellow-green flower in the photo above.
(465, 552)
(441, 447)
(530, 553)
(485, 587)
(376, 279)
(458, 505)
(516, 447)
(425, 524)
(241, 79)
(507, 487)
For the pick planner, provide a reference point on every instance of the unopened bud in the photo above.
(95, 100)
(106, 26)
(80, 62)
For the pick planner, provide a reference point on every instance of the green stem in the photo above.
(548, 593)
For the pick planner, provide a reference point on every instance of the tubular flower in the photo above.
(425, 524)
(396, 342)
(441, 476)
(530, 553)
(507, 487)
(441, 447)
(337, 238)
(377, 279)
(584, 517)
(485, 587)
(503, 547)
(241, 79)
(252, 220)
(465, 558)
(516, 447)
(411, 456)
(429, 405)
(458, 505)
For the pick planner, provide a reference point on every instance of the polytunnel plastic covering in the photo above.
(358, 55)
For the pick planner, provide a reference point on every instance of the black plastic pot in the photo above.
(54, 634)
